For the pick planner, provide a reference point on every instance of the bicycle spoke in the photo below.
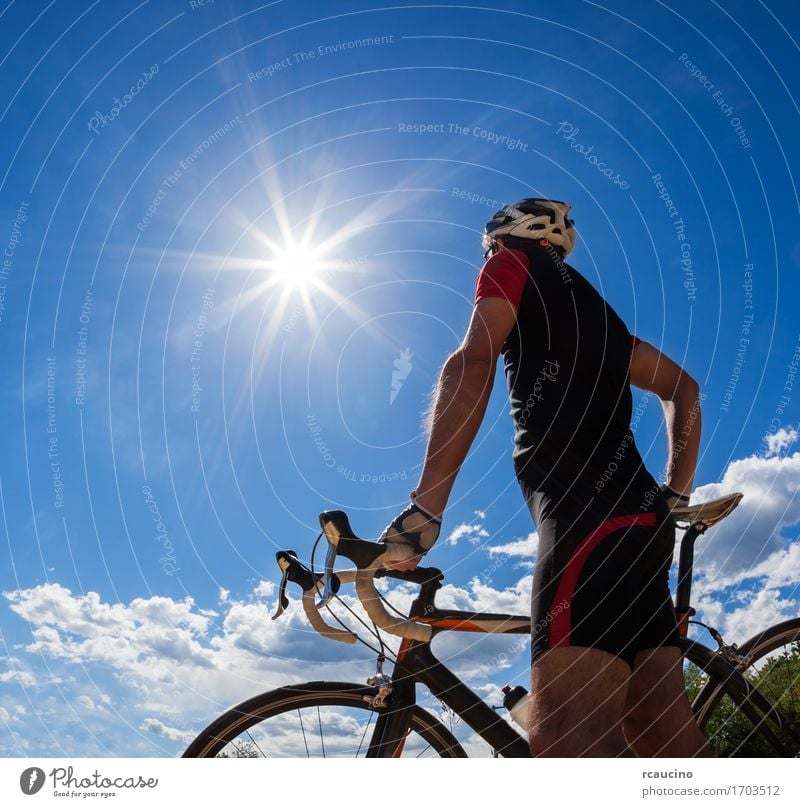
(366, 729)
(253, 740)
(303, 729)
(321, 738)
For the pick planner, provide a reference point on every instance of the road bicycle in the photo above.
(384, 718)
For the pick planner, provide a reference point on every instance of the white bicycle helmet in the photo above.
(534, 219)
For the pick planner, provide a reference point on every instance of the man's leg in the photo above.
(579, 698)
(658, 718)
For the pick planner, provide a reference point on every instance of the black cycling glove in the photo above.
(673, 498)
(416, 527)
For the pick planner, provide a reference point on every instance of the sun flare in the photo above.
(296, 266)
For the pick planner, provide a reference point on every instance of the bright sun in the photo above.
(296, 265)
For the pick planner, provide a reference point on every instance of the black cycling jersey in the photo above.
(567, 364)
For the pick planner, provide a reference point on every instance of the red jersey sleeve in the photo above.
(503, 275)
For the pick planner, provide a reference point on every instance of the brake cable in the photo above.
(381, 653)
(391, 607)
(374, 630)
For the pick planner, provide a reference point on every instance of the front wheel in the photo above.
(773, 670)
(318, 719)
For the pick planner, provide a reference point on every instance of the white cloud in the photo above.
(522, 548)
(780, 568)
(17, 673)
(754, 611)
(777, 443)
(473, 532)
(265, 588)
(86, 702)
(223, 595)
(155, 726)
(17, 676)
(756, 530)
(479, 596)
(88, 616)
(173, 659)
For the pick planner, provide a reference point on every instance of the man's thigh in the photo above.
(658, 716)
(657, 687)
(579, 694)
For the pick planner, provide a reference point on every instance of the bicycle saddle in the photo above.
(706, 514)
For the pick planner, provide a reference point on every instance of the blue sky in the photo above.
(176, 407)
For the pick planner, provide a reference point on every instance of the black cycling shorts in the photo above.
(602, 581)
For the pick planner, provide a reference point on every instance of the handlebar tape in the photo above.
(373, 605)
(319, 624)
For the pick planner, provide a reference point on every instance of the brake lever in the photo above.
(293, 571)
(328, 578)
(284, 564)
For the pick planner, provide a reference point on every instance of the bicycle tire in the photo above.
(239, 720)
(709, 704)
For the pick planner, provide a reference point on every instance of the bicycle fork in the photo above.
(393, 701)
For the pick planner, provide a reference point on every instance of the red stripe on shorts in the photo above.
(560, 609)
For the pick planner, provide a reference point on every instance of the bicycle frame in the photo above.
(416, 663)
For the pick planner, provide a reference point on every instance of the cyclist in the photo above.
(606, 668)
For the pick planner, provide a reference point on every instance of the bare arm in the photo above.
(460, 400)
(680, 399)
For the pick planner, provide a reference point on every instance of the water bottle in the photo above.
(517, 701)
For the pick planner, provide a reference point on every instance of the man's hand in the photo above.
(673, 498)
(416, 528)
